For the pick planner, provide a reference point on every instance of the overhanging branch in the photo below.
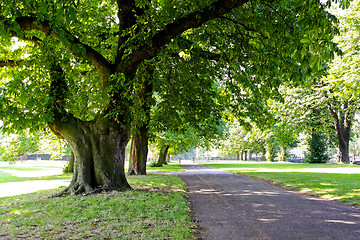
(32, 23)
(171, 30)
(10, 63)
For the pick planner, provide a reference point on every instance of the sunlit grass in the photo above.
(156, 209)
(342, 187)
(171, 167)
(276, 165)
(7, 177)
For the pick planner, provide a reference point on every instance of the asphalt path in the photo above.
(231, 206)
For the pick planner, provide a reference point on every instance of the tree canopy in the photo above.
(76, 65)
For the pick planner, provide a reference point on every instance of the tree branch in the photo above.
(184, 43)
(247, 28)
(126, 16)
(32, 23)
(9, 63)
(171, 30)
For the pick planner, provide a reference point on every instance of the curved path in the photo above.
(230, 206)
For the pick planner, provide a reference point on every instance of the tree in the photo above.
(78, 71)
(340, 87)
(316, 147)
(140, 137)
(12, 147)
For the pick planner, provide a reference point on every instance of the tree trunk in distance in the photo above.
(343, 121)
(140, 139)
(343, 153)
(282, 154)
(99, 151)
(237, 156)
(139, 151)
(242, 155)
(263, 153)
(343, 135)
(162, 156)
(70, 168)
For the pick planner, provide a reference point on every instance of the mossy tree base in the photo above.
(99, 151)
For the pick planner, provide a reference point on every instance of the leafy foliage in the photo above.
(12, 147)
(317, 148)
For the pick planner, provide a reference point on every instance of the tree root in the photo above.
(86, 190)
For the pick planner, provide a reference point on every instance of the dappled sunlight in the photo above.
(268, 220)
(254, 205)
(341, 221)
(327, 181)
(19, 211)
(206, 191)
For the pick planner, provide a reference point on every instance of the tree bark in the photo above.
(70, 165)
(237, 156)
(263, 154)
(140, 139)
(99, 151)
(139, 151)
(343, 121)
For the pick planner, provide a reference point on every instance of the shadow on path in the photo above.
(230, 206)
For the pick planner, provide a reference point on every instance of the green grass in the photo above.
(340, 187)
(275, 165)
(156, 209)
(171, 167)
(7, 177)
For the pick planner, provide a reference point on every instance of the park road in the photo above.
(229, 206)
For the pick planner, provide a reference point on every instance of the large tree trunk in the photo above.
(140, 139)
(99, 150)
(139, 152)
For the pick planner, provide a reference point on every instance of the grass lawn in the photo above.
(8, 173)
(171, 167)
(329, 181)
(30, 171)
(156, 209)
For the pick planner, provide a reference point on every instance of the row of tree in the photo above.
(323, 108)
(99, 71)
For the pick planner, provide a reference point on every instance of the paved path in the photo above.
(230, 206)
